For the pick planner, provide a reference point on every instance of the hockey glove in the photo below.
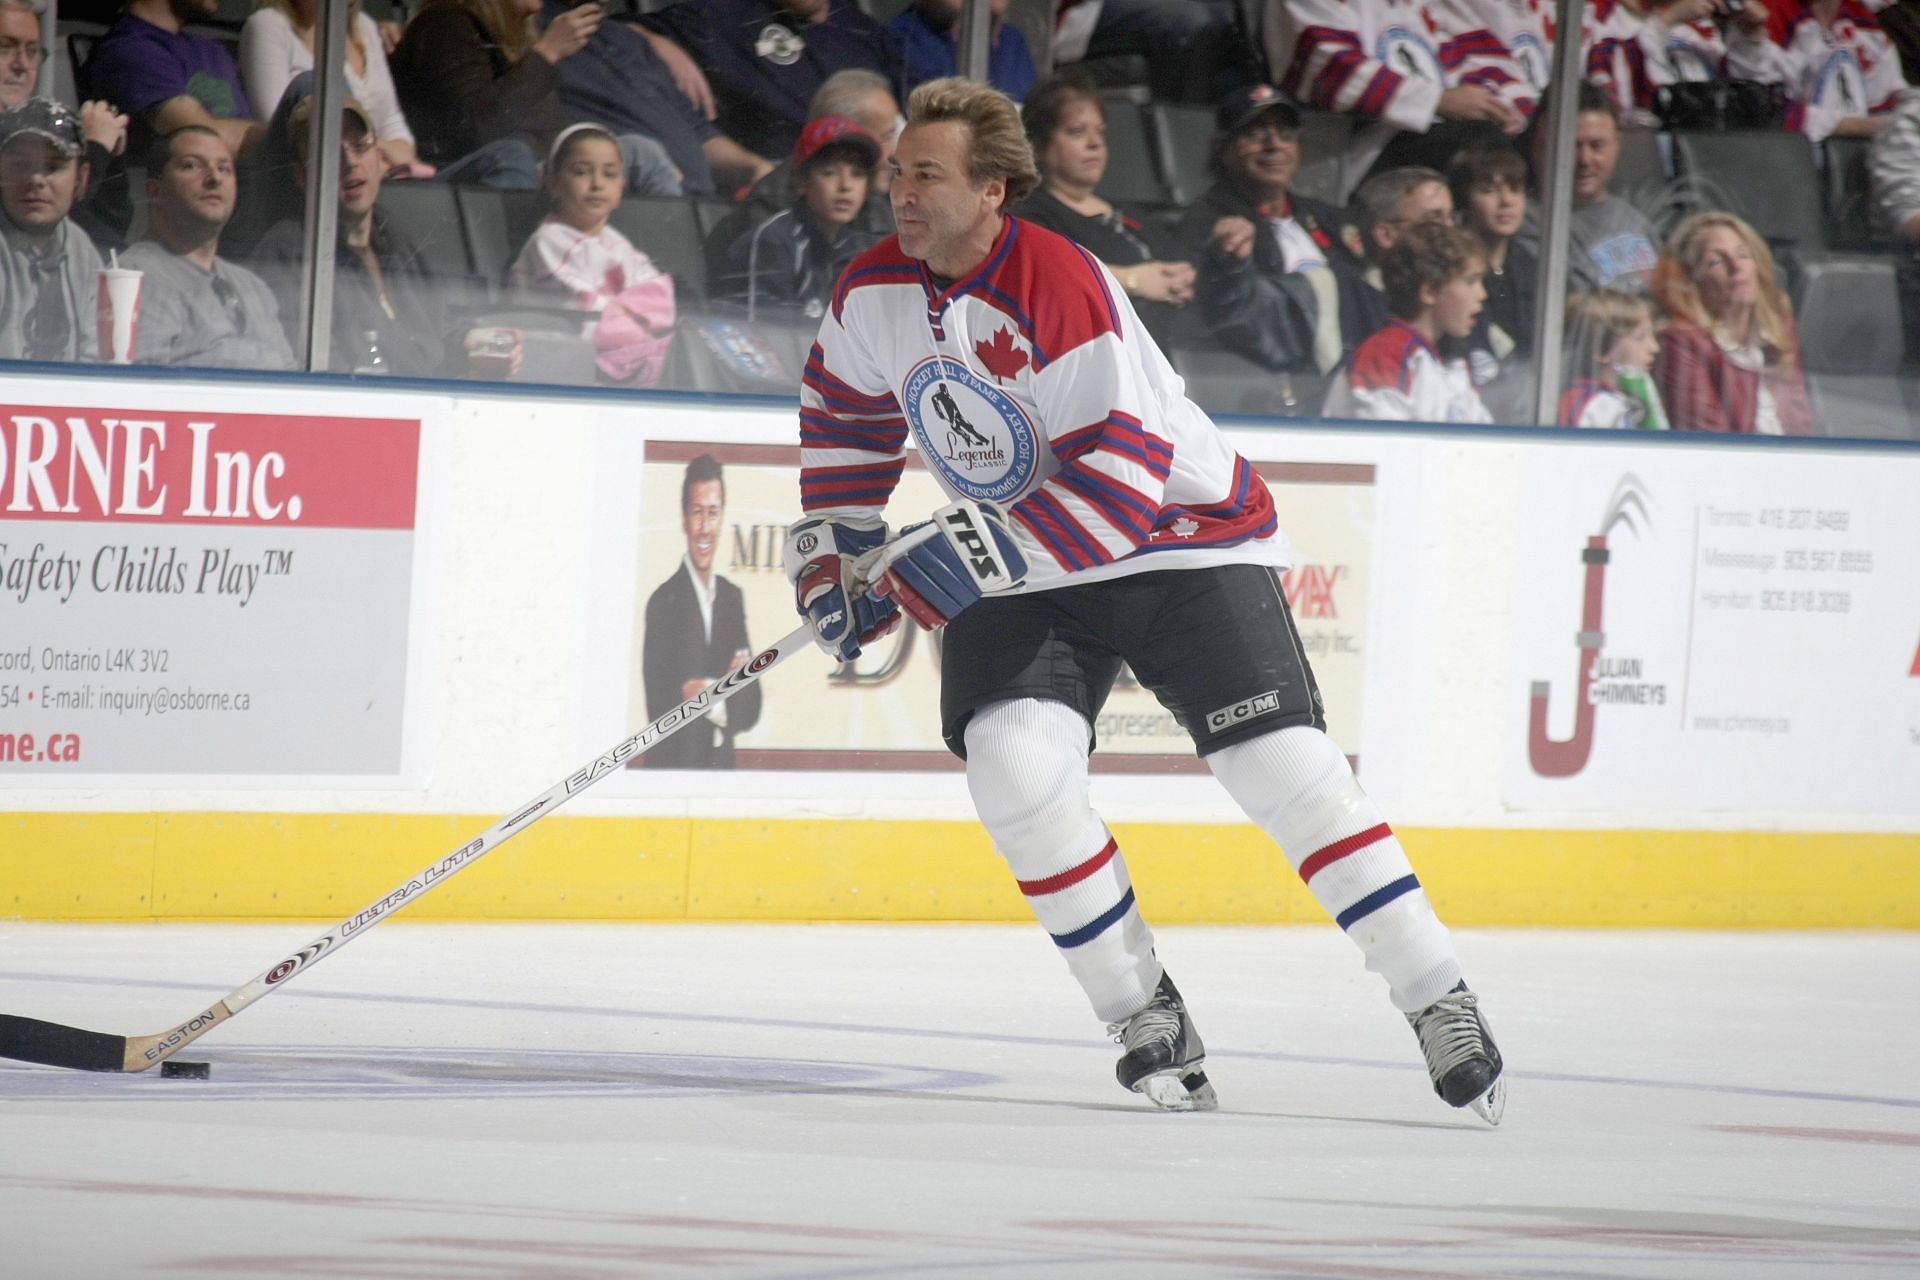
(938, 568)
(820, 560)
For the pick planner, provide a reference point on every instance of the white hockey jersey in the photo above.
(1503, 45)
(1397, 376)
(1030, 384)
(1830, 73)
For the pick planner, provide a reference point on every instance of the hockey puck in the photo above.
(187, 1070)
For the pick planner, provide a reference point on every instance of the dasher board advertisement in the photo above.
(200, 592)
(1713, 631)
(708, 584)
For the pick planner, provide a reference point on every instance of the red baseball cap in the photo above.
(834, 131)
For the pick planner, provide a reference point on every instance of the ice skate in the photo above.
(1164, 1057)
(1461, 1056)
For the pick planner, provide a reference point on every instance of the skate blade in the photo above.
(1492, 1104)
(1170, 1091)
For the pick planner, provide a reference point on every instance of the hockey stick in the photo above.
(54, 1045)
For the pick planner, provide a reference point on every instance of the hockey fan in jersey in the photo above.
(1078, 465)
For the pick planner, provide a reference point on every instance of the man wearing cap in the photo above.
(197, 308)
(1279, 273)
(380, 284)
(796, 256)
(49, 270)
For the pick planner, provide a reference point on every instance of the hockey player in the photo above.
(1143, 538)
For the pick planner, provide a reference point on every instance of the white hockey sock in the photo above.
(1027, 770)
(1300, 790)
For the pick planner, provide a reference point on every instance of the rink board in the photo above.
(252, 866)
(1592, 678)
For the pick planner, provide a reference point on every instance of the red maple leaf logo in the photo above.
(1002, 359)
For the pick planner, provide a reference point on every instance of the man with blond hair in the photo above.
(1104, 520)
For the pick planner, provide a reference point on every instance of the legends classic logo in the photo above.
(973, 434)
(1612, 680)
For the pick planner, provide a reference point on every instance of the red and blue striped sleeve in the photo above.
(853, 437)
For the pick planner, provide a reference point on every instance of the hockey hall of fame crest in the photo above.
(973, 434)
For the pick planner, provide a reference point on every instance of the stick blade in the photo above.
(53, 1045)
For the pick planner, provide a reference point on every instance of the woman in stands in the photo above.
(578, 258)
(276, 45)
(1730, 356)
(1067, 124)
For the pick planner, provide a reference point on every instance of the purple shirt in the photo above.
(137, 66)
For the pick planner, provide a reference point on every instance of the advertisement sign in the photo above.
(1714, 631)
(723, 508)
(202, 592)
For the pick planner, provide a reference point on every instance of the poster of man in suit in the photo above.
(696, 632)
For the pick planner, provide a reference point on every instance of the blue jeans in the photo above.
(505, 164)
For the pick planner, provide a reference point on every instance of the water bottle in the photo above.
(372, 359)
(1638, 387)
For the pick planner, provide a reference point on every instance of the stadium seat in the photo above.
(1863, 406)
(1183, 139)
(1849, 316)
(1133, 174)
(667, 230)
(1848, 186)
(1765, 176)
(1641, 168)
(429, 215)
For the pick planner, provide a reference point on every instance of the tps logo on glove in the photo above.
(961, 527)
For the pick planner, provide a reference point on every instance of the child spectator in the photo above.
(49, 270)
(1490, 192)
(797, 255)
(1433, 284)
(1610, 352)
(575, 254)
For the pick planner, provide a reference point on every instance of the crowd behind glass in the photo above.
(665, 195)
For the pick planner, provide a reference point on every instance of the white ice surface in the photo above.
(569, 1102)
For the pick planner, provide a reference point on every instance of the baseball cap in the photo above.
(834, 131)
(301, 119)
(49, 119)
(1243, 106)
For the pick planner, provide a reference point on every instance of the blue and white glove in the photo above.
(938, 568)
(821, 558)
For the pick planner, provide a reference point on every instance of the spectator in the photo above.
(482, 89)
(276, 44)
(1489, 186)
(383, 298)
(49, 270)
(1894, 163)
(797, 255)
(1381, 59)
(621, 81)
(1730, 355)
(927, 31)
(105, 209)
(1611, 348)
(1066, 121)
(1279, 275)
(1433, 287)
(576, 255)
(1388, 205)
(1841, 73)
(1194, 49)
(763, 60)
(166, 79)
(196, 308)
(1610, 243)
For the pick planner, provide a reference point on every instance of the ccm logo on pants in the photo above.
(1258, 705)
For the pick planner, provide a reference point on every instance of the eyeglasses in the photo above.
(359, 148)
(13, 49)
(230, 299)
